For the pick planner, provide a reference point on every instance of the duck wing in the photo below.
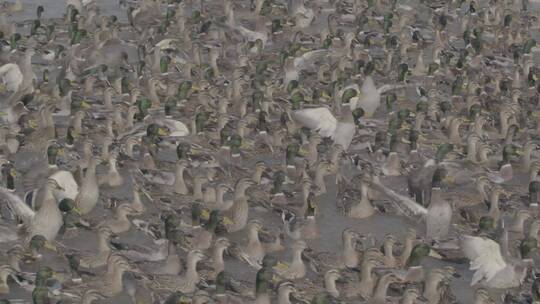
(485, 256)
(17, 206)
(308, 60)
(318, 119)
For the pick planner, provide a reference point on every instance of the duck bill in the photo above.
(77, 211)
(162, 132)
(50, 246)
(434, 254)
(85, 105)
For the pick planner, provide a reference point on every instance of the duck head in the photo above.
(418, 253)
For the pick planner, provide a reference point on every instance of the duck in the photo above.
(47, 221)
(120, 223)
(104, 235)
(88, 195)
(296, 269)
(187, 282)
(489, 265)
(238, 213)
(325, 123)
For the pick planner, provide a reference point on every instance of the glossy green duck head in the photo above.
(67, 205)
(487, 224)
(196, 212)
(290, 153)
(534, 190)
(432, 68)
(414, 135)
(9, 173)
(36, 24)
(278, 180)
(535, 289)
(526, 246)
(213, 221)
(393, 142)
(70, 137)
(164, 64)
(321, 298)
(172, 222)
(43, 274)
(183, 150)
(311, 205)
(264, 276)
(200, 121)
(474, 111)
(177, 297)
(357, 114)
(184, 89)
(442, 151)
(529, 45)
(297, 98)
(14, 40)
(348, 94)
(419, 252)
(403, 71)
(510, 151)
(53, 150)
(257, 99)
(235, 143)
(65, 86)
(155, 131)
(225, 134)
(390, 100)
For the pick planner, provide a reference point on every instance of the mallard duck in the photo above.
(120, 223)
(88, 195)
(490, 265)
(104, 235)
(296, 269)
(47, 221)
(238, 212)
(187, 282)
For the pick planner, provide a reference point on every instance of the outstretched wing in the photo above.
(485, 256)
(308, 59)
(17, 206)
(317, 119)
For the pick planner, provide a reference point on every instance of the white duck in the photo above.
(323, 121)
(489, 264)
(11, 76)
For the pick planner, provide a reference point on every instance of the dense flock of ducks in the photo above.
(270, 151)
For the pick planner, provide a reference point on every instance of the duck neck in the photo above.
(179, 184)
(330, 286)
(388, 250)
(381, 289)
(526, 158)
(191, 272)
(366, 273)
(431, 288)
(240, 192)
(219, 264)
(284, 296)
(297, 258)
(257, 175)
(103, 243)
(494, 202)
(197, 188)
(319, 179)
(407, 249)
(115, 280)
(253, 237)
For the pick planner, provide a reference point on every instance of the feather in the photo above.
(485, 256)
(17, 206)
(318, 119)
